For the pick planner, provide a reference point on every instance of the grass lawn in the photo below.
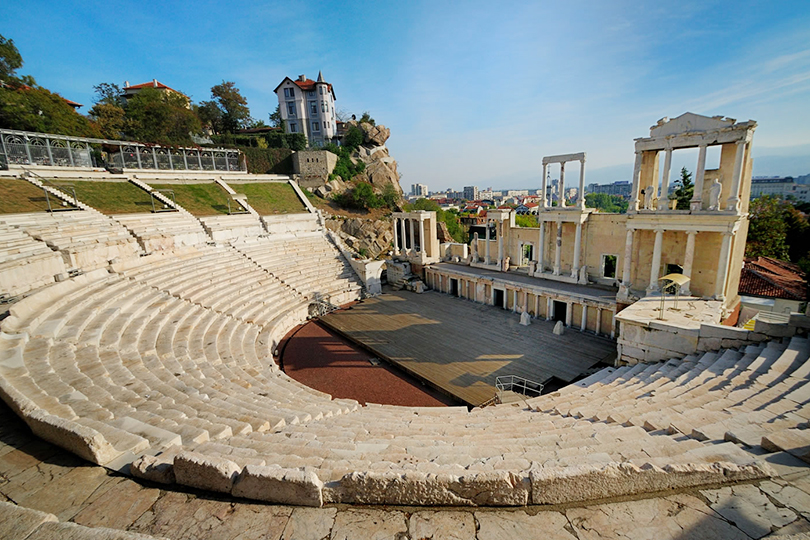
(199, 199)
(110, 197)
(18, 196)
(271, 197)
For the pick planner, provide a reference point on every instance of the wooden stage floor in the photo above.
(460, 347)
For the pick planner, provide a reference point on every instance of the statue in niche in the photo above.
(505, 264)
(474, 249)
(648, 195)
(715, 192)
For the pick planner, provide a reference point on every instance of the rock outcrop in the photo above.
(366, 237)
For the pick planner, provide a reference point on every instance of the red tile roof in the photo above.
(309, 84)
(153, 84)
(772, 278)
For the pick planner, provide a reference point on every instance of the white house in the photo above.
(308, 107)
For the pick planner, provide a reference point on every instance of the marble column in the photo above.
(544, 188)
(410, 227)
(577, 245)
(636, 177)
(569, 313)
(558, 250)
(613, 325)
(396, 236)
(628, 256)
(561, 186)
(583, 321)
(549, 308)
(499, 232)
(722, 267)
(688, 260)
(421, 238)
(599, 321)
(404, 236)
(656, 261)
(696, 203)
(486, 248)
(581, 192)
(541, 252)
(663, 198)
(733, 201)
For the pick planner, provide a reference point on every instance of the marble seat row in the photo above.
(308, 263)
(232, 227)
(164, 231)
(26, 263)
(87, 240)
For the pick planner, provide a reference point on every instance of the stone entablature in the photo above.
(562, 159)
(690, 130)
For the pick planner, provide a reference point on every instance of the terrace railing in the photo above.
(43, 149)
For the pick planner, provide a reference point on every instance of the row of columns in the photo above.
(399, 223)
(541, 253)
(441, 282)
(561, 186)
(498, 236)
(733, 200)
(688, 261)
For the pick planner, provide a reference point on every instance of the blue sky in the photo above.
(475, 93)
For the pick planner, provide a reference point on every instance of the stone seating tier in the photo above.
(163, 365)
(86, 239)
(164, 231)
(27, 263)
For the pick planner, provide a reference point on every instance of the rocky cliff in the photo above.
(381, 168)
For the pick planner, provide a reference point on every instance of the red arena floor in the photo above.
(320, 359)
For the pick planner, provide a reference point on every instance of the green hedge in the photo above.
(274, 139)
(268, 160)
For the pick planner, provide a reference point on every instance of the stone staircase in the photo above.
(164, 230)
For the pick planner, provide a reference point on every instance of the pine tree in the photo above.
(685, 190)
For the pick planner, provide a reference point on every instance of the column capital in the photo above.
(691, 233)
(658, 230)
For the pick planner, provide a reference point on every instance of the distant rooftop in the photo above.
(772, 278)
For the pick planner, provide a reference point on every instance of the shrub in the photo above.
(268, 160)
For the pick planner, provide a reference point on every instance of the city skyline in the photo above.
(472, 96)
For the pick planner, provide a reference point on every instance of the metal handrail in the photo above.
(519, 385)
(169, 194)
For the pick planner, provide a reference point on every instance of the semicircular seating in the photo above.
(163, 365)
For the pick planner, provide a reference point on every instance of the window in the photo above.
(316, 126)
(313, 107)
(324, 107)
(289, 92)
(321, 89)
(609, 266)
(311, 93)
(293, 127)
(291, 109)
(324, 125)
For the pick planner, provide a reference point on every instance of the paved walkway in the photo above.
(38, 475)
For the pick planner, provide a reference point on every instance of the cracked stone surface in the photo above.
(678, 517)
(354, 524)
(788, 495)
(749, 509)
(309, 524)
(512, 525)
(442, 526)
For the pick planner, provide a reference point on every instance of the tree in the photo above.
(10, 59)
(275, 118)
(235, 114)
(160, 117)
(109, 93)
(606, 203)
(354, 137)
(37, 109)
(367, 118)
(109, 119)
(767, 231)
(685, 190)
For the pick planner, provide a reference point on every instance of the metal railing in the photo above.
(519, 385)
(44, 149)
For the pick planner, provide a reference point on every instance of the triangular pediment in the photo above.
(689, 123)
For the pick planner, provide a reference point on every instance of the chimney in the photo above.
(126, 84)
(302, 78)
(154, 83)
